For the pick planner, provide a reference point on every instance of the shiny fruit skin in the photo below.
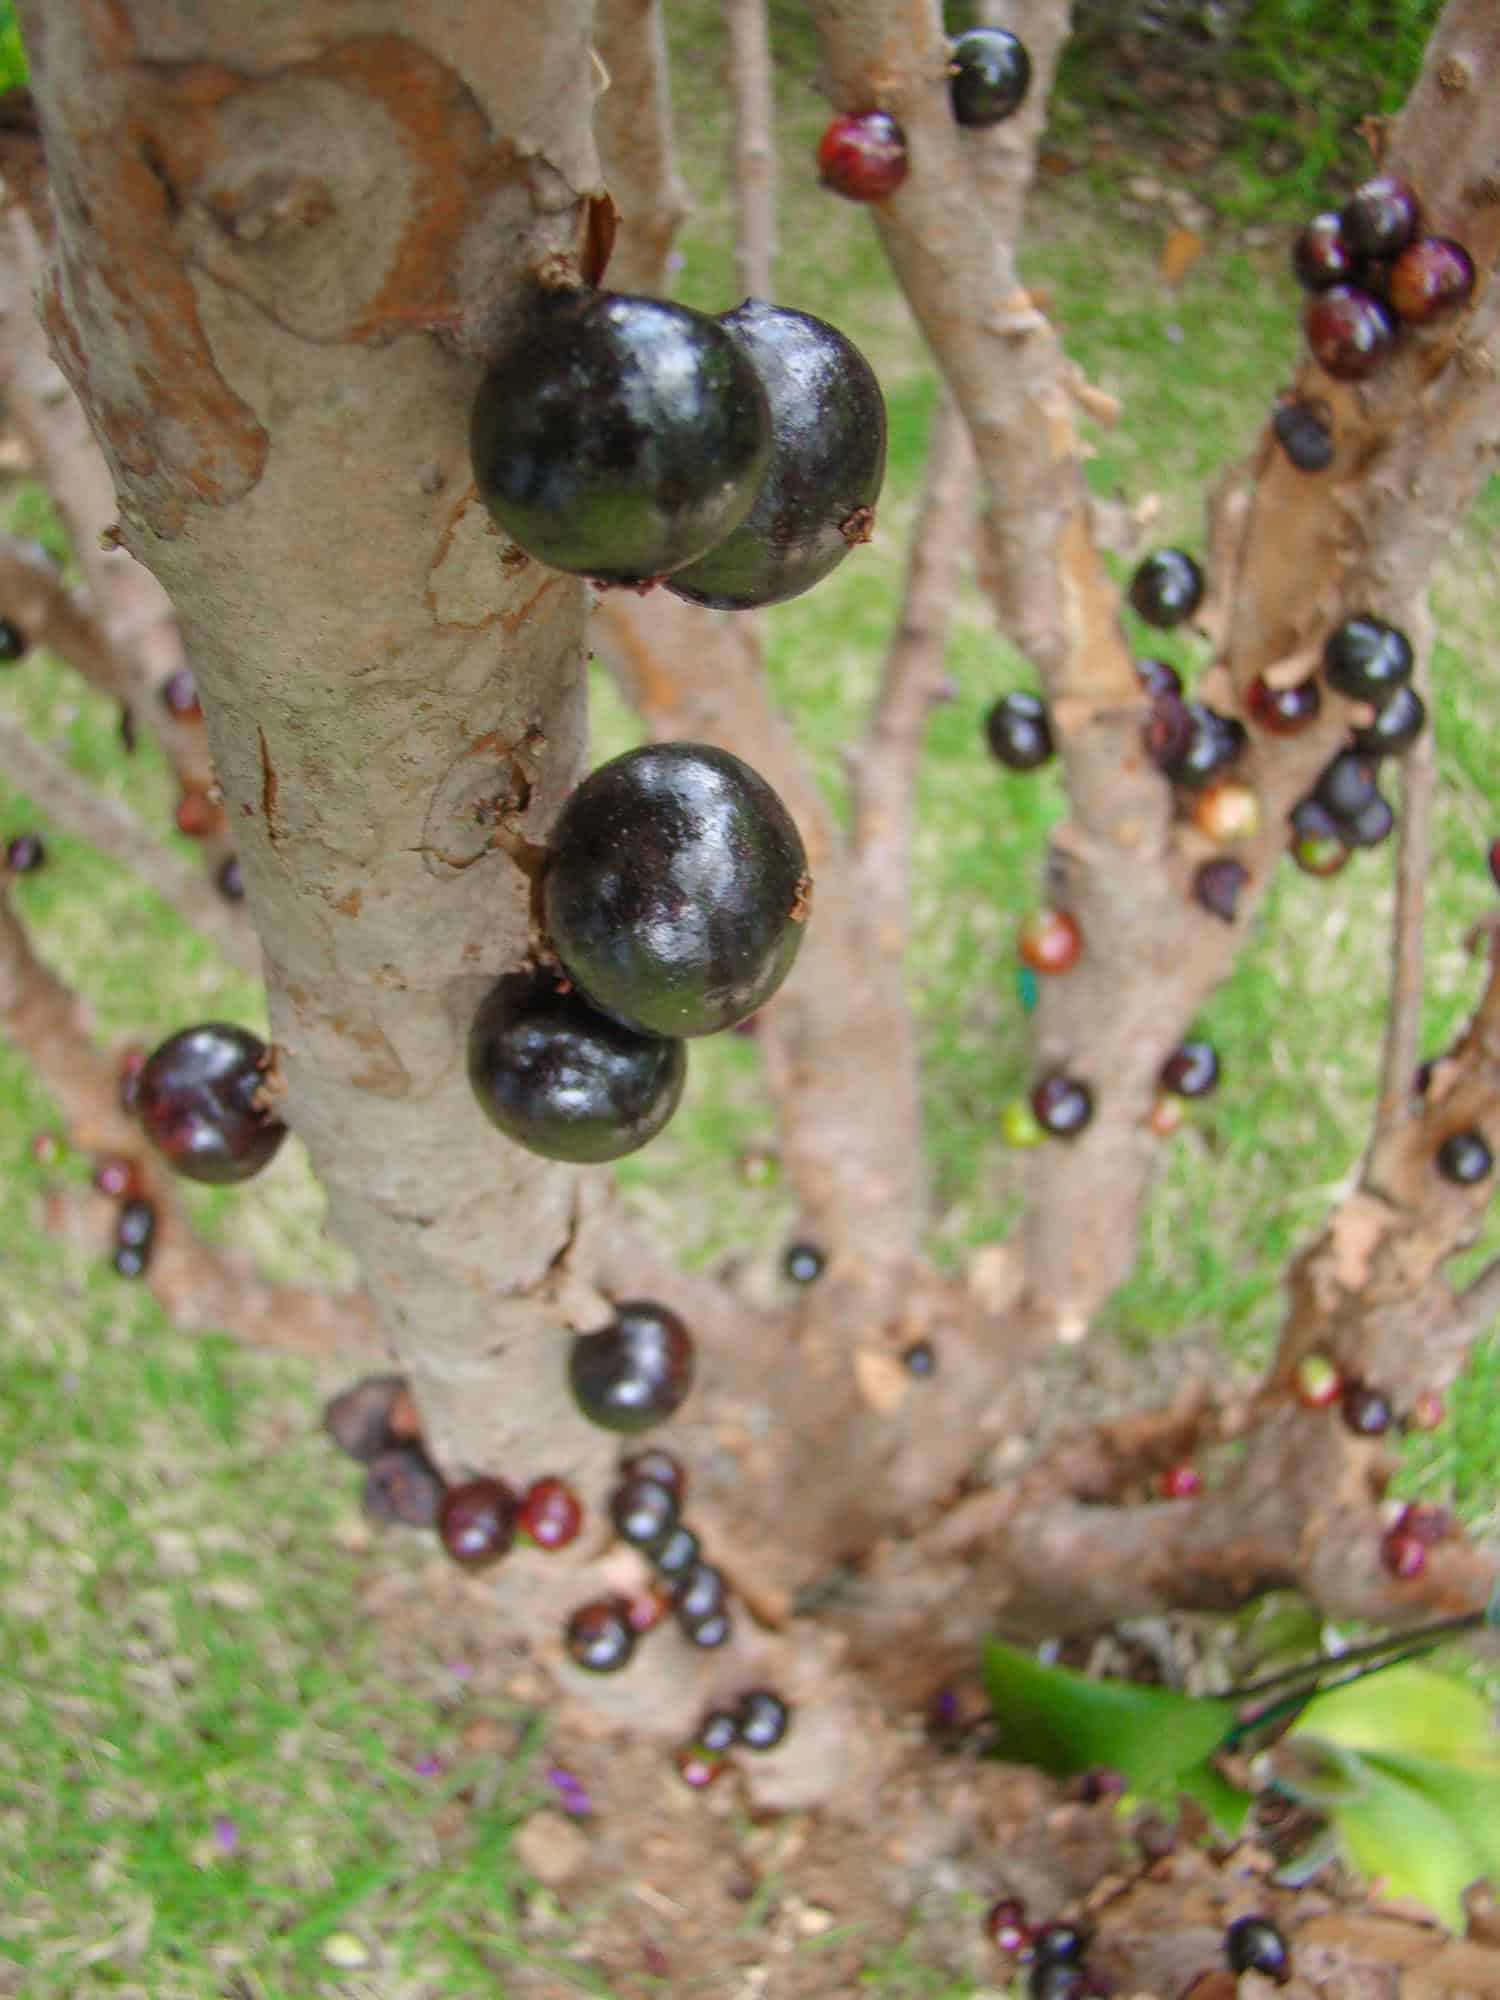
(1396, 727)
(230, 880)
(13, 643)
(1214, 742)
(1304, 433)
(644, 1513)
(1060, 1944)
(179, 696)
(1405, 1556)
(1373, 823)
(1217, 886)
(619, 437)
(1167, 587)
(196, 1097)
(118, 1177)
(1049, 941)
(599, 1637)
(1158, 676)
(707, 1633)
(1322, 255)
(803, 1263)
(565, 1081)
(679, 1553)
(862, 156)
(1227, 811)
(762, 1719)
(1170, 734)
(403, 1485)
(1381, 216)
(817, 499)
(1345, 787)
(659, 1466)
(1366, 1412)
(1006, 1927)
(1018, 732)
(989, 75)
(1192, 1070)
(699, 1594)
(1367, 659)
(1063, 1105)
(135, 1226)
(1464, 1158)
(1179, 1482)
(1430, 278)
(477, 1522)
(636, 1371)
(25, 853)
(129, 1261)
(677, 891)
(1350, 333)
(1284, 711)
(1253, 1944)
(551, 1514)
(717, 1732)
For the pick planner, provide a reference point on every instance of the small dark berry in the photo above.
(1372, 824)
(1345, 787)
(1427, 1524)
(708, 1632)
(358, 1419)
(231, 880)
(1217, 886)
(644, 1513)
(129, 1260)
(201, 1104)
(1253, 1944)
(25, 853)
(1350, 333)
(135, 1226)
(1018, 732)
(920, 1359)
(1169, 732)
(599, 1636)
(717, 1732)
(1049, 941)
(1192, 1070)
(1098, 1785)
(403, 1485)
(1005, 1925)
(1366, 1412)
(1158, 677)
(636, 1371)
(1396, 726)
(1063, 1105)
(660, 1466)
(1284, 711)
(1304, 432)
(477, 1521)
(13, 643)
(1367, 659)
(1167, 587)
(678, 1553)
(1321, 256)
(551, 1514)
(117, 1177)
(1318, 843)
(1214, 742)
(802, 1263)
(1061, 1944)
(179, 696)
(1381, 216)
(763, 1719)
(1431, 277)
(1052, 1980)
(1464, 1158)
(699, 1593)
(862, 156)
(988, 76)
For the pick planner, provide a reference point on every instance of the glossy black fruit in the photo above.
(763, 1719)
(1018, 732)
(644, 1513)
(201, 1104)
(403, 1485)
(1464, 1158)
(678, 1553)
(658, 1465)
(1060, 1944)
(1351, 333)
(817, 499)
(620, 438)
(1322, 255)
(135, 1225)
(1158, 677)
(129, 1260)
(988, 76)
(862, 156)
(1345, 787)
(699, 1594)
(802, 1263)
(1063, 1105)
(920, 1359)
(1218, 884)
(13, 643)
(566, 1081)
(1253, 1944)
(230, 880)
(1366, 1411)
(1284, 711)
(1367, 659)
(1052, 1979)
(1381, 216)
(1192, 1070)
(1214, 742)
(1305, 433)
(708, 1632)
(25, 853)
(1396, 726)
(717, 1732)
(677, 893)
(477, 1521)
(1167, 587)
(600, 1637)
(1373, 823)
(1169, 732)
(636, 1371)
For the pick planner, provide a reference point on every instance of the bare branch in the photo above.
(1403, 1025)
(754, 161)
(39, 603)
(633, 127)
(1479, 1304)
(117, 834)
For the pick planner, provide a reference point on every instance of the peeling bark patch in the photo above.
(270, 786)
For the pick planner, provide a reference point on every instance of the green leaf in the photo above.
(1065, 1722)
(1470, 1798)
(1226, 1805)
(1325, 1775)
(1408, 1845)
(1407, 1709)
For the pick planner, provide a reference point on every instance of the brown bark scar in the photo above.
(270, 786)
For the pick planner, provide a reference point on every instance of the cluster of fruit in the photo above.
(119, 1178)
(1366, 1411)
(1368, 661)
(1057, 1952)
(758, 1721)
(674, 898)
(1416, 1528)
(635, 441)
(862, 155)
(1370, 271)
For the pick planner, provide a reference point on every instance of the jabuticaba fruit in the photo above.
(566, 1081)
(677, 890)
(828, 435)
(619, 437)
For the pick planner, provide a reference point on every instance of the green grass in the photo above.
(182, 1630)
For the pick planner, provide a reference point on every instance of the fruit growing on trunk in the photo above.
(1304, 430)
(1464, 1158)
(762, 1719)
(1018, 732)
(1167, 587)
(989, 75)
(1049, 941)
(599, 1636)
(201, 1101)
(1192, 1070)
(1367, 659)
(551, 1514)
(1350, 333)
(1284, 711)
(644, 1513)
(802, 1263)
(1063, 1105)
(1218, 885)
(25, 854)
(636, 1371)
(1322, 255)
(1212, 743)
(1432, 277)
(1253, 1944)
(403, 1485)
(677, 890)
(862, 156)
(619, 438)
(477, 1522)
(1381, 216)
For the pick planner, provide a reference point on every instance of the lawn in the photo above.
(218, 1782)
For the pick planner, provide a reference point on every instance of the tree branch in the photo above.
(1403, 1023)
(633, 127)
(753, 161)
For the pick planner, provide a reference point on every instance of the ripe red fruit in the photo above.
(200, 1101)
(600, 1637)
(1284, 711)
(477, 1521)
(1431, 277)
(1430, 1525)
(118, 1177)
(1350, 333)
(1179, 1482)
(1005, 1925)
(697, 1767)
(198, 815)
(551, 1514)
(636, 1371)
(862, 156)
(1381, 216)
(1049, 941)
(1063, 1105)
(1404, 1555)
